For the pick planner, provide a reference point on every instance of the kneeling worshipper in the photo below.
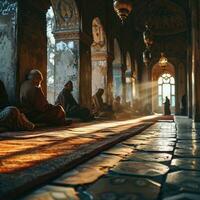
(35, 105)
(101, 109)
(10, 117)
(71, 107)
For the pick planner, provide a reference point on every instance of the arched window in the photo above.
(166, 87)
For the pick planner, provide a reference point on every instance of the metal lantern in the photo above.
(146, 56)
(163, 61)
(123, 8)
(147, 36)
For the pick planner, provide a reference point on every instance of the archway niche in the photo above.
(8, 46)
(64, 58)
(117, 71)
(99, 57)
(163, 84)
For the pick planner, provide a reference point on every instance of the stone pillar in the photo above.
(177, 96)
(195, 5)
(73, 54)
(189, 83)
(123, 68)
(85, 79)
(117, 80)
(110, 79)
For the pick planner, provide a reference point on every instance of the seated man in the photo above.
(101, 109)
(10, 116)
(35, 104)
(122, 111)
(117, 107)
(71, 107)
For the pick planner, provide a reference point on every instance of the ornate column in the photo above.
(72, 53)
(123, 68)
(195, 5)
(110, 79)
(189, 83)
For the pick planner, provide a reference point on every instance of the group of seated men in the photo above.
(34, 107)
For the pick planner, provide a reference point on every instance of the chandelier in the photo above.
(148, 41)
(147, 36)
(123, 8)
(147, 56)
(163, 61)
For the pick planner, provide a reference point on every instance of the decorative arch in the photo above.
(163, 80)
(117, 70)
(99, 57)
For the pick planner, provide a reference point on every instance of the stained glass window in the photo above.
(166, 88)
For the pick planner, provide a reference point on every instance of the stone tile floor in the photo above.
(28, 159)
(161, 163)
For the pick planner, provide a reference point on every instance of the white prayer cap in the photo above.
(35, 74)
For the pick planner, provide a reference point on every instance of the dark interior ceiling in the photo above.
(165, 17)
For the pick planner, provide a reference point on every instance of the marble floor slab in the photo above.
(151, 157)
(53, 193)
(186, 163)
(195, 153)
(147, 169)
(80, 176)
(183, 196)
(151, 148)
(123, 187)
(182, 181)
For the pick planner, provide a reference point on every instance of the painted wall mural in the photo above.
(8, 14)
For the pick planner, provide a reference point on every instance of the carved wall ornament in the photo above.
(98, 33)
(99, 38)
(66, 13)
(9, 8)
